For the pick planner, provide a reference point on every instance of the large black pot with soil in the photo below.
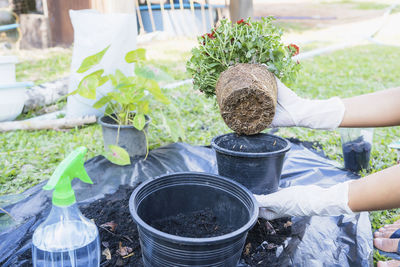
(255, 161)
(192, 219)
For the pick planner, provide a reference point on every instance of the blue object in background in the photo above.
(179, 21)
(8, 27)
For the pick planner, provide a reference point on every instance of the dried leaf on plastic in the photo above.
(247, 249)
(270, 228)
(106, 252)
(110, 225)
(287, 224)
(123, 251)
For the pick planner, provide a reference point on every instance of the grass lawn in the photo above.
(26, 158)
(39, 67)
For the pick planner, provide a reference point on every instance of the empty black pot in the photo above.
(255, 161)
(232, 204)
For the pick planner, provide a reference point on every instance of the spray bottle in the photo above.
(66, 237)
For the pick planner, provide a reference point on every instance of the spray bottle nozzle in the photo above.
(71, 167)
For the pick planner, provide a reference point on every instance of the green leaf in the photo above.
(118, 97)
(109, 110)
(152, 73)
(88, 85)
(92, 60)
(155, 90)
(120, 77)
(143, 107)
(103, 80)
(145, 72)
(102, 101)
(113, 80)
(171, 127)
(136, 55)
(139, 121)
(117, 155)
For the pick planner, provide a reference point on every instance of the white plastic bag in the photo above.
(93, 32)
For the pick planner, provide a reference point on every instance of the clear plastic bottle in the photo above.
(66, 238)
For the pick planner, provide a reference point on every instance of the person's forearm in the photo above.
(377, 191)
(373, 110)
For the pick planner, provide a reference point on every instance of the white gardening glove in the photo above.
(293, 110)
(307, 200)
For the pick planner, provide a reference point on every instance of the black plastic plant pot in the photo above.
(130, 138)
(255, 161)
(356, 155)
(232, 204)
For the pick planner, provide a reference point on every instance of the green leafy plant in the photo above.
(245, 41)
(129, 101)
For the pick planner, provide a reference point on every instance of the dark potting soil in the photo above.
(264, 239)
(199, 224)
(250, 144)
(119, 238)
(109, 120)
(356, 154)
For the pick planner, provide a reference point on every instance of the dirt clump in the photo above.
(247, 98)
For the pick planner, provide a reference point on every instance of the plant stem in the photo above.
(119, 126)
(6, 212)
(147, 144)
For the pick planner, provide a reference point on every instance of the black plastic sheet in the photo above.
(318, 241)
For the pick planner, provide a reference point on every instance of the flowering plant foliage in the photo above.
(245, 41)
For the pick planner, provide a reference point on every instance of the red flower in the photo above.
(242, 21)
(210, 35)
(294, 48)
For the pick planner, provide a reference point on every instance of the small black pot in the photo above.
(130, 138)
(255, 161)
(356, 155)
(233, 205)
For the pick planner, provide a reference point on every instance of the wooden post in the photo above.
(153, 25)
(181, 5)
(240, 9)
(193, 15)
(203, 17)
(162, 11)
(139, 18)
(211, 15)
(219, 14)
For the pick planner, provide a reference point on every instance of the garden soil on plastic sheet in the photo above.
(119, 237)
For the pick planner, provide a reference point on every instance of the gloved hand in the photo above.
(293, 110)
(308, 200)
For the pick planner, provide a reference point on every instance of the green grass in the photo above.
(26, 158)
(366, 5)
(43, 66)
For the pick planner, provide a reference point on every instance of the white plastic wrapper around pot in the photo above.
(93, 32)
(356, 146)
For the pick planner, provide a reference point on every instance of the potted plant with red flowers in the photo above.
(237, 62)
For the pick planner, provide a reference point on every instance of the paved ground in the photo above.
(389, 32)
